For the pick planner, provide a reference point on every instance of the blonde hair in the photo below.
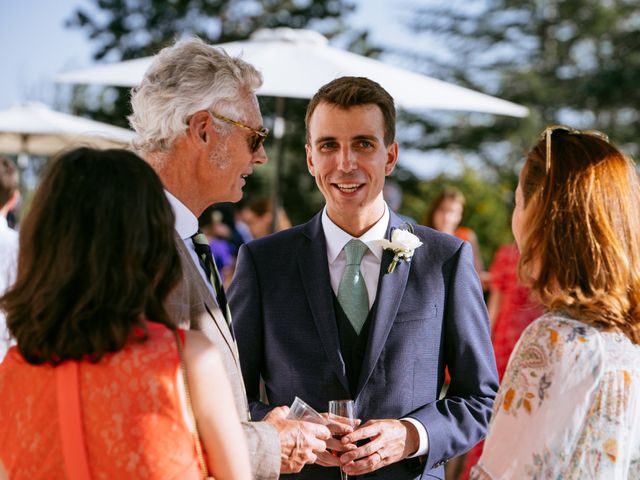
(581, 244)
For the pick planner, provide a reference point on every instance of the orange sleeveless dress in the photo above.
(131, 414)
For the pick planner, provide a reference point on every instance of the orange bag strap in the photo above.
(74, 449)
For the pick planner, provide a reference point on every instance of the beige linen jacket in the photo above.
(193, 306)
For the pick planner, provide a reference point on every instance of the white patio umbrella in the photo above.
(295, 63)
(35, 129)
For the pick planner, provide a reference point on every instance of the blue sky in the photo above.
(36, 46)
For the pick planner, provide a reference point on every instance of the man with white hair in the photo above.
(199, 126)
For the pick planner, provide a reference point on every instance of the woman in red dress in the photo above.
(510, 306)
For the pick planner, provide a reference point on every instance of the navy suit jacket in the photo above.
(429, 314)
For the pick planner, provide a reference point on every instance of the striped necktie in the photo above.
(203, 250)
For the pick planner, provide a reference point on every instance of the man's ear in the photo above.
(198, 127)
(392, 158)
(310, 166)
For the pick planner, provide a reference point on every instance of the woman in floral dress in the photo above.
(569, 404)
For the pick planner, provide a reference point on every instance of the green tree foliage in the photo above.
(570, 61)
(298, 192)
(573, 61)
(487, 211)
(126, 29)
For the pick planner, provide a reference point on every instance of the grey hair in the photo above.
(183, 79)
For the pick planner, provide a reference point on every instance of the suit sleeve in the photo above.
(458, 421)
(188, 310)
(264, 450)
(246, 310)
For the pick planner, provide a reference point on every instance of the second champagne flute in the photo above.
(345, 409)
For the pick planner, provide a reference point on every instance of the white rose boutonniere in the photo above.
(402, 244)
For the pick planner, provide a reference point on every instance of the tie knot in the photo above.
(199, 238)
(200, 243)
(355, 250)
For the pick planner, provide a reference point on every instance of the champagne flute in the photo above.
(346, 410)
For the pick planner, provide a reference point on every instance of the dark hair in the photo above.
(260, 206)
(263, 206)
(97, 258)
(347, 92)
(8, 180)
(580, 249)
(449, 193)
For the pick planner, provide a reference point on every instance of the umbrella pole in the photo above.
(278, 136)
(23, 154)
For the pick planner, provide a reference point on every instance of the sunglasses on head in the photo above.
(257, 137)
(549, 131)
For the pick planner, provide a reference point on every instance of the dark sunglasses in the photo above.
(256, 139)
(548, 133)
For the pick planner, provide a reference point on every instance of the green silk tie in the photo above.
(203, 250)
(352, 292)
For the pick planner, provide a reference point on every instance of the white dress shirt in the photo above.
(187, 226)
(8, 267)
(370, 266)
(336, 239)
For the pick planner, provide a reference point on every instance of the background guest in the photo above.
(257, 214)
(569, 403)
(97, 262)
(445, 214)
(392, 194)
(220, 236)
(9, 196)
(511, 308)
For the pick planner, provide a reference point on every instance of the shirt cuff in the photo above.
(423, 447)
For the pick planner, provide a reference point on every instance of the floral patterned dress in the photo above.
(568, 407)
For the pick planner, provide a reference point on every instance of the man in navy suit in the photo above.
(307, 327)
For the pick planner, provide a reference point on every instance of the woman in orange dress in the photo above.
(445, 214)
(97, 262)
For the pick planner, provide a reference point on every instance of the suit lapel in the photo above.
(314, 271)
(391, 288)
(190, 270)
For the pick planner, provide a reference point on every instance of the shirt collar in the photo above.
(186, 222)
(337, 238)
(4, 225)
